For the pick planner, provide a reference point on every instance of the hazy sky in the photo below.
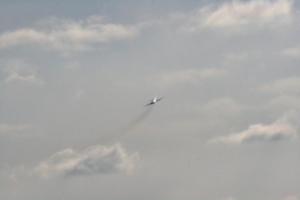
(75, 76)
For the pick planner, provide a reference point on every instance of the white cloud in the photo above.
(283, 128)
(238, 14)
(18, 70)
(93, 160)
(243, 13)
(64, 35)
(16, 77)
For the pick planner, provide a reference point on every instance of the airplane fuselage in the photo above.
(153, 101)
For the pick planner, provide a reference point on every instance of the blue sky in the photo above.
(76, 75)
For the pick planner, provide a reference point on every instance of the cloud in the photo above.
(19, 71)
(292, 52)
(93, 160)
(19, 130)
(16, 77)
(235, 57)
(72, 65)
(229, 198)
(79, 93)
(237, 14)
(291, 198)
(283, 128)
(243, 13)
(4, 128)
(189, 75)
(67, 35)
(222, 108)
(283, 86)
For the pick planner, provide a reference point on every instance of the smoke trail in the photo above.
(129, 126)
(136, 121)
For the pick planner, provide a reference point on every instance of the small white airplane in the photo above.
(153, 101)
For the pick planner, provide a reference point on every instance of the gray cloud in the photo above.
(291, 198)
(6, 128)
(292, 52)
(283, 86)
(229, 198)
(216, 82)
(283, 128)
(187, 76)
(93, 160)
(67, 35)
(20, 130)
(223, 106)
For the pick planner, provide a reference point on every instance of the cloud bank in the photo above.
(237, 14)
(67, 35)
(243, 13)
(93, 160)
(284, 128)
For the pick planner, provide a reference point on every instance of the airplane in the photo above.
(153, 101)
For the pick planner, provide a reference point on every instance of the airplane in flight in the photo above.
(153, 101)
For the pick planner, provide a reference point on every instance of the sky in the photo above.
(75, 76)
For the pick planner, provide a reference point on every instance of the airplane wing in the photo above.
(159, 99)
(148, 104)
